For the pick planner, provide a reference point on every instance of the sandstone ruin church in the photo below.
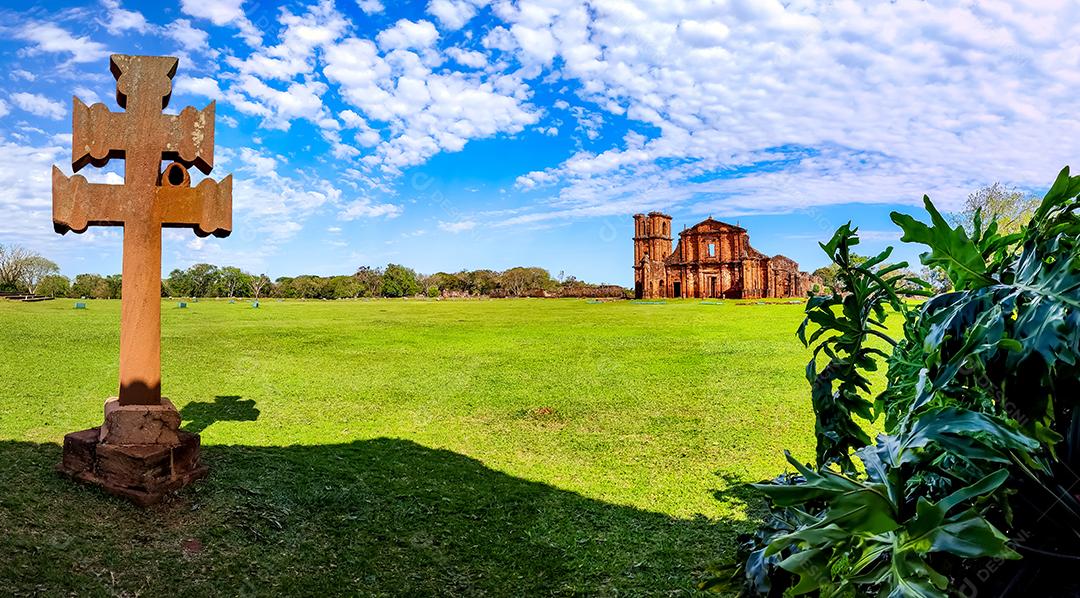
(713, 259)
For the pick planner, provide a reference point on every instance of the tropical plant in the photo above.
(982, 430)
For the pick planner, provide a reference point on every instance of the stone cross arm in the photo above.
(206, 208)
(98, 135)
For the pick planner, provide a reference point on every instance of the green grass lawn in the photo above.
(507, 447)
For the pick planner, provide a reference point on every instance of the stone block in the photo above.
(80, 450)
(141, 473)
(140, 424)
(134, 466)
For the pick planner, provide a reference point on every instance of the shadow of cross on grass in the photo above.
(378, 517)
(229, 408)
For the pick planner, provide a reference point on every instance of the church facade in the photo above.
(712, 259)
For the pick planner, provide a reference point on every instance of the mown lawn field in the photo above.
(503, 447)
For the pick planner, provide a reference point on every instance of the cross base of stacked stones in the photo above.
(139, 453)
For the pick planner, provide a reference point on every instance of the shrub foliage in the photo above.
(981, 440)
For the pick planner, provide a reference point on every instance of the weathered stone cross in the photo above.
(149, 199)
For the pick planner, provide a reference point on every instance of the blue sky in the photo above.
(450, 134)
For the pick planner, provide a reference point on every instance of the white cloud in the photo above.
(703, 34)
(536, 43)
(224, 13)
(39, 105)
(256, 88)
(26, 203)
(365, 135)
(406, 34)
(87, 95)
(302, 35)
(454, 14)
(23, 74)
(273, 207)
(277, 107)
(469, 58)
(49, 38)
(4, 109)
(118, 20)
(189, 37)
(200, 86)
(820, 103)
(457, 227)
(370, 7)
(425, 112)
(366, 208)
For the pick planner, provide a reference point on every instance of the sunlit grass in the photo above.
(552, 446)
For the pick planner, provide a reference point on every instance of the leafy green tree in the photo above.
(179, 283)
(481, 282)
(34, 269)
(1011, 208)
(54, 285)
(443, 281)
(93, 286)
(370, 281)
(203, 277)
(399, 281)
(283, 287)
(233, 280)
(518, 281)
(345, 287)
(831, 276)
(114, 286)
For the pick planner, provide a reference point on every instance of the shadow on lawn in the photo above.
(199, 415)
(377, 517)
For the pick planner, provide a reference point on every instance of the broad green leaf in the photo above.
(969, 535)
(950, 248)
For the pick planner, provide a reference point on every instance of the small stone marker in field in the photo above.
(140, 452)
(182, 305)
(80, 305)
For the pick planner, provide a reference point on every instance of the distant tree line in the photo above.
(22, 271)
(395, 280)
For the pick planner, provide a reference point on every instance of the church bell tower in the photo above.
(652, 244)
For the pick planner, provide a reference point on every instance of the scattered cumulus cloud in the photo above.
(200, 86)
(119, 20)
(366, 208)
(53, 39)
(189, 37)
(454, 14)
(457, 227)
(370, 7)
(224, 13)
(406, 34)
(39, 105)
